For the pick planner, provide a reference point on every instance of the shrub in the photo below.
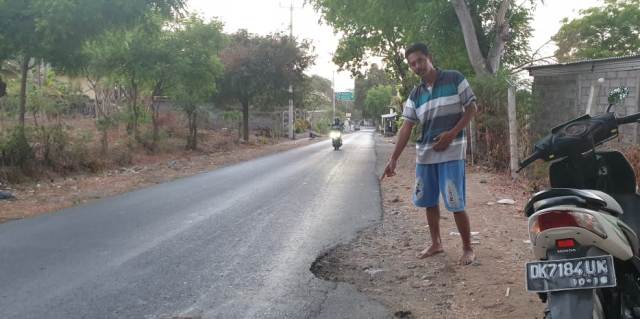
(15, 149)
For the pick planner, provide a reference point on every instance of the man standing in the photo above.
(442, 104)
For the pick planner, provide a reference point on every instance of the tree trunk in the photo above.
(156, 125)
(483, 65)
(192, 136)
(104, 142)
(155, 109)
(245, 120)
(502, 35)
(24, 68)
(136, 111)
(195, 131)
(35, 118)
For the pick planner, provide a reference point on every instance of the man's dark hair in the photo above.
(416, 47)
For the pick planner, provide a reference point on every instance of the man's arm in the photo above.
(445, 139)
(403, 139)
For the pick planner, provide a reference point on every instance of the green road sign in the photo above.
(344, 96)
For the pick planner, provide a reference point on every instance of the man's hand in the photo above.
(390, 170)
(443, 141)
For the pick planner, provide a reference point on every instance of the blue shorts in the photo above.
(448, 178)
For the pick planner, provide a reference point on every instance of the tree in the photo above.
(378, 100)
(488, 31)
(372, 78)
(55, 30)
(197, 69)
(259, 70)
(601, 32)
(313, 93)
(144, 60)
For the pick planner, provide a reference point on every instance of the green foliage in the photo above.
(53, 98)
(313, 93)
(378, 101)
(53, 141)
(197, 70)
(384, 28)
(258, 70)
(56, 29)
(15, 149)
(322, 126)
(601, 32)
(492, 133)
(301, 125)
(232, 116)
(618, 95)
(372, 78)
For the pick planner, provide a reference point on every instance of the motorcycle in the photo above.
(336, 138)
(584, 229)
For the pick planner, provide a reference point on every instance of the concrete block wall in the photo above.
(562, 92)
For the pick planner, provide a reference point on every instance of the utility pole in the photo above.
(291, 122)
(333, 94)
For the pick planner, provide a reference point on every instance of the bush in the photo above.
(492, 123)
(15, 149)
(322, 126)
(301, 125)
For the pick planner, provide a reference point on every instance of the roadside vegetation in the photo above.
(83, 90)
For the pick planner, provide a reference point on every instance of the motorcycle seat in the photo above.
(587, 198)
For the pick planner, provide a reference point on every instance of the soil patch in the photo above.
(381, 262)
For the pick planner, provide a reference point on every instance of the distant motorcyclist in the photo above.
(337, 125)
(336, 133)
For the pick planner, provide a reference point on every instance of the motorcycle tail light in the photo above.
(565, 218)
(565, 243)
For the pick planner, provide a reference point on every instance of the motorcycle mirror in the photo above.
(617, 95)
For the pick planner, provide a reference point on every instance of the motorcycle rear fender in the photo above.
(615, 244)
(573, 304)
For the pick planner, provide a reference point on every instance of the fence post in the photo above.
(513, 131)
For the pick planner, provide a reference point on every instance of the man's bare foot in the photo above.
(468, 257)
(431, 251)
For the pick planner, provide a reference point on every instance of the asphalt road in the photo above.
(232, 243)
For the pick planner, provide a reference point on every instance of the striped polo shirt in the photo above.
(438, 109)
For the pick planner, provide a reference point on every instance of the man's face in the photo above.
(420, 63)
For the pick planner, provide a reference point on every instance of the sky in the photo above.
(269, 16)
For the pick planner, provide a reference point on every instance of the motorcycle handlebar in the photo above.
(628, 119)
(532, 158)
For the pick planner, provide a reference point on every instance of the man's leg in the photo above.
(433, 219)
(453, 186)
(427, 195)
(464, 228)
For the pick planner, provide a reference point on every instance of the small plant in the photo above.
(617, 95)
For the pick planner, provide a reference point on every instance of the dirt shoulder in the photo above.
(381, 262)
(33, 199)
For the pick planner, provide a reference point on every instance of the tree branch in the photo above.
(502, 35)
(478, 61)
(519, 67)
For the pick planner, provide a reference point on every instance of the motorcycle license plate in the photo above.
(571, 274)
